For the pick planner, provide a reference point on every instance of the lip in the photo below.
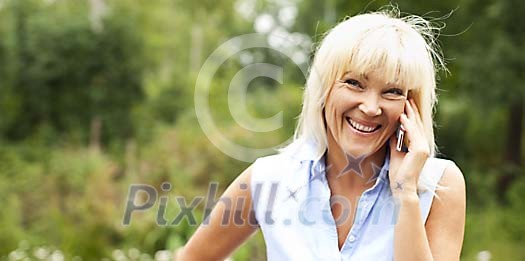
(364, 123)
(367, 124)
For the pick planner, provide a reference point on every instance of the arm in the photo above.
(446, 222)
(442, 236)
(220, 237)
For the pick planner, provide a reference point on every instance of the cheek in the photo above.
(331, 108)
(340, 101)
(335, 106)
(398, 112)
(395, 112)
(330, 117)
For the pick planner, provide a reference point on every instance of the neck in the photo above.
(355, 172)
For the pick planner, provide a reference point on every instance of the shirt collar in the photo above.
(386, 165)
(305, 151)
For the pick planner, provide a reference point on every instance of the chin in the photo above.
(356, 150)
(361, 152)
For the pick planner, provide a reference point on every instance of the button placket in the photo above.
(364, 208)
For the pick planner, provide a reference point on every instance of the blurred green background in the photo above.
(97, 95)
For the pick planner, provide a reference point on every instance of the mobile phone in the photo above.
(400, 134)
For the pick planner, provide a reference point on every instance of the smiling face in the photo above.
(385, 49)
(362, 112)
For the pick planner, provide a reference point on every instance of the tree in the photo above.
(65, 75)
(493, 74)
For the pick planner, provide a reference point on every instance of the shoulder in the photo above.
(273, 166)
(446, 222)
(290, 166)
(447, 176)
(452, 179)
(272, 159)
(433, 173)
(451, 194)
(438, 163)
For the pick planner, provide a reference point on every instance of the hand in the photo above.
(405, 167)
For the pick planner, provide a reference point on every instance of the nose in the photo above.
(370, 106)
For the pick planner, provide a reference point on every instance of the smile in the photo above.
(362, 128)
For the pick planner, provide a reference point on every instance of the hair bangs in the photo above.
(385, 51)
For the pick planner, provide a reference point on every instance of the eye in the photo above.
(395, 91)
(353, 82)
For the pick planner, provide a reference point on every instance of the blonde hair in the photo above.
(403, 49)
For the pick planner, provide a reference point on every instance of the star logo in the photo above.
(353, 164)
(292, 193)
(377, 171)
(399, 185)
(320, 172)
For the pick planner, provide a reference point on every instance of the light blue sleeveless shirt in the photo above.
(291, 199)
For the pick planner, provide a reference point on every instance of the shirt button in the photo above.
(351, 238)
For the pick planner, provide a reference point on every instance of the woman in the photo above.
(342, 190)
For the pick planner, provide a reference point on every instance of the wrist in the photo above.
(401, 186)
(406, 195)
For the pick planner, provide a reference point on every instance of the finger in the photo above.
(409, 111)
(414, 106)
(414, 135)
(413, 116)
(409, 126)
(406, 122)
(417, 113)
(395, 156)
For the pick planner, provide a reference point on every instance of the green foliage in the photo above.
(63, 74)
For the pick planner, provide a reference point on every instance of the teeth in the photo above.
(360, 127)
